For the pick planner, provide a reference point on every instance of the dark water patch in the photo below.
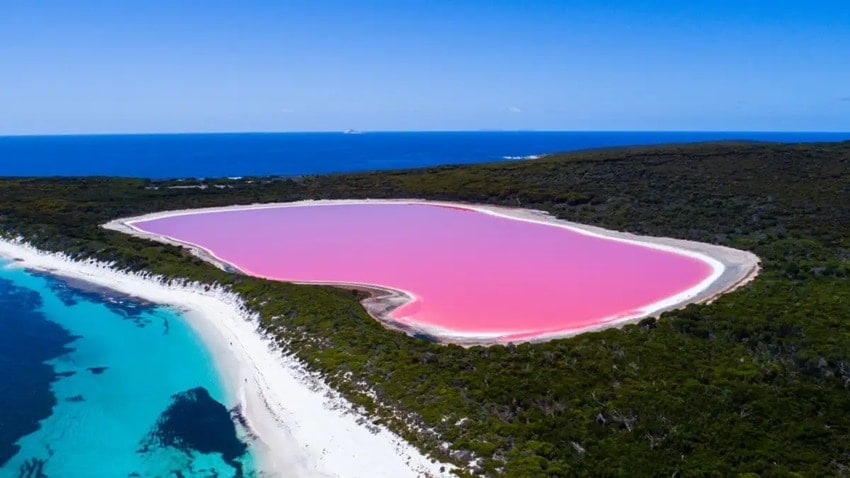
(200, 473)
(97, 370)
(32, 468)
(73, 291)
(27, 340)
(75, 398)
(68, 373)
(195, 422)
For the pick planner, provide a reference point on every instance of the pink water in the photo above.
(471, 273)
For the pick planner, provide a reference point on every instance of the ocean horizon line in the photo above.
(423, 131)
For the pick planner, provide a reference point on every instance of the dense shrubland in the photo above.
(757, 382)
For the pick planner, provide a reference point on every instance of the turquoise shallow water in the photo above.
(134, 392)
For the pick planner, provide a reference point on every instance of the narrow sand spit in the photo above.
(731, 268)
(302, 428)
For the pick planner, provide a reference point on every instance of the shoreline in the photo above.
(731, 268)
(301, 427)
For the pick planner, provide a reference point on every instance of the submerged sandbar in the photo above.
(457, 272)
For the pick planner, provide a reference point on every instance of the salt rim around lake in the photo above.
(730, 268)
(302, 427)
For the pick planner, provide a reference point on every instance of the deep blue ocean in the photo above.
(219, 155)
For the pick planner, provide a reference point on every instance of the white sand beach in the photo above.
(302, 427)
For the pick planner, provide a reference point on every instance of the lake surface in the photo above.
(97, 384)
(219, 155)
(472, 274)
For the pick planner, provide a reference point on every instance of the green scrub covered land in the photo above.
(755, 382)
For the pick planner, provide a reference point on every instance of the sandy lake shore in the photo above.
(731, 268)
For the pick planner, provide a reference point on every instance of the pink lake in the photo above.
(472, 274)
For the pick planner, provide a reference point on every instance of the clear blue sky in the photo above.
(170, 66)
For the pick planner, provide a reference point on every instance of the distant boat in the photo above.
(351, 131)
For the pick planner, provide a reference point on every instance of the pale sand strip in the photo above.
(731, 268)
(302, 427)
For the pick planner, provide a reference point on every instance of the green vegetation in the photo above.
(754, 384)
